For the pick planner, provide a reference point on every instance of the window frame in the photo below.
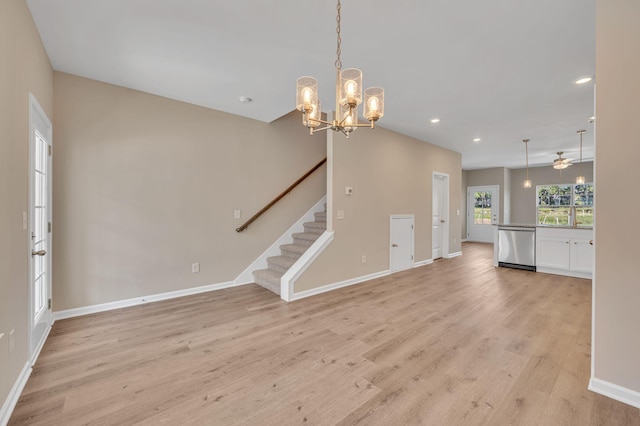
(572, 204)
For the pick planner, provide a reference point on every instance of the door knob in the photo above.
(394, 245)
(38, 253)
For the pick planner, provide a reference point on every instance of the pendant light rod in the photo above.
(527, 181)
(580, 180)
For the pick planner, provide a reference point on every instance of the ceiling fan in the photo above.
(560, 162)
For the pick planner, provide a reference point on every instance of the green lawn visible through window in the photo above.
(555, 202)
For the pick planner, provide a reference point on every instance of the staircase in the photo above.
(277, 265)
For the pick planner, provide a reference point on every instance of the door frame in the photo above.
(444, 213)
(36, 109)
(413, 239)
(471, 206)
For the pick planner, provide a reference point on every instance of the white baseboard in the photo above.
(613, 391)
(452, 255)
(423, 263)
(335, 286)
(36, 353)
(86, 310)
(14, 394)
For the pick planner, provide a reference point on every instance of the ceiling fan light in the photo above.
(561, 163)
(580, 180)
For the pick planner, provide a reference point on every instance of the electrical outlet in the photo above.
(340, 214)
(195, 267)
(364, 259)
(236, 214)
(12, 341)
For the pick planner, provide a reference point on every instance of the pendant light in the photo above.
(348, 97)
(580, 179)
(527, 181)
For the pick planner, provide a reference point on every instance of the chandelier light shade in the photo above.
(580, 180)
(527, 181)
(373, 103)
(350, 87)
(348, 98)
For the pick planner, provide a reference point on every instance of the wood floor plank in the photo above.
(455, 342)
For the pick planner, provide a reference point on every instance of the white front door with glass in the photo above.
(39, 227)
(482, 212)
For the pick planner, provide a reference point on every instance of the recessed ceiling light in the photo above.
(583, 80)
(435, 120)
(245, 99)
(477, 139)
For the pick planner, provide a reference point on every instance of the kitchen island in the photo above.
(561, 250)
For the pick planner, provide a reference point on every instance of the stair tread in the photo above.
(295, 248)
(306, 235)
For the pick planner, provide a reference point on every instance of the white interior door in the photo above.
(401, 242)
(440, 207)
(482, 212)
(40, 317)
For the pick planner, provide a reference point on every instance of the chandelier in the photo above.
(348, 98)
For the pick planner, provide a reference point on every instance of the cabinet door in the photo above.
(553, 253)
(581, 256)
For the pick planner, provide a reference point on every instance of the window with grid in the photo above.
(555, 203)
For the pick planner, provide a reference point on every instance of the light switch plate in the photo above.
(340, 214)
(195, 268)
(236, 214)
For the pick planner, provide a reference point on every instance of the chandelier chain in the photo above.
(338, 62)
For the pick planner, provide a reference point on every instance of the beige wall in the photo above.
(523, 201)
(145, 186)
(390, 174)
(494, 176)
(24, 68)
(616, 347)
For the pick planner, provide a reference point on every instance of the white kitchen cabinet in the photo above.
(565, 251)
(582, 255)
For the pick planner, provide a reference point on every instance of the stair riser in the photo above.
(277, 268)
(303, 242)
(269, 285)
(313, 230)
(320, 217)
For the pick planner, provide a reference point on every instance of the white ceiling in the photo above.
(501, 70)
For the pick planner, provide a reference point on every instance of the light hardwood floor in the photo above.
(456, 342)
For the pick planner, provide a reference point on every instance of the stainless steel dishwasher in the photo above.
(517, 247)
